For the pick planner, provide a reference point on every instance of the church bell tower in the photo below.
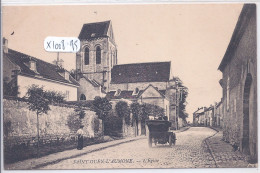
(98, 53)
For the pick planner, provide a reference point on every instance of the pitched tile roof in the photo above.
(94, 30)
(43, 69)
(129, 94)
(141, 72)
(123, 94)
(92, 81)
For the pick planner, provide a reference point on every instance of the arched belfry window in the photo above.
(82, 97)
(98, 55)
(86, 56)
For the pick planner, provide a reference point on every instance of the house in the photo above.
(196, 116)
(20, 71)
(149, 95)
(239, 84)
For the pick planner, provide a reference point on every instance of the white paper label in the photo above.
(62, 44)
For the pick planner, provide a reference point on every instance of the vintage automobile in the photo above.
(159, 132)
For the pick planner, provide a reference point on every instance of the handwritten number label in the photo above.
(62, 44)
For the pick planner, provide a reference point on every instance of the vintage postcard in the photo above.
(129, 86)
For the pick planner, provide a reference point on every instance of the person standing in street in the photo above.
(80, 138)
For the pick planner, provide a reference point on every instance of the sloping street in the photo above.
(190, 151)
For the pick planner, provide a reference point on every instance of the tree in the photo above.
(39, 104)
(54, 96)
(39, 101)
(10, 88)
(75, 120)
(102, 107)
(80, 110)
(136, 111)
(183, 94)
(151, 110)
(123, 111)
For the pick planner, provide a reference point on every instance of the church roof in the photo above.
(141, 72)
(94, 30)
(92, 82)
(44, 69)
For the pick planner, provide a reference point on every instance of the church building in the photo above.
(99, 73)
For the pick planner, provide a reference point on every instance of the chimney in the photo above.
(5, 45)
(32, 64)
(61, 63)
(64, 73)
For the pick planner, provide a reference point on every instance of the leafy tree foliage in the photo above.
(54, 97)
(136, 111)
(101, 106)
(151, 110)
(10, 88)
(39, 101)
(80, 110)
(74, 122)
(123, 111)
(183, 94)
(81, 107)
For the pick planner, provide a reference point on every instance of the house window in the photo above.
(33, 65)
(67, 95)
(82, 97)
(98, 55)
(118, 92)
(136, 91)
(86, 56)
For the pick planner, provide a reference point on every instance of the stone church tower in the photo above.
(98, 53)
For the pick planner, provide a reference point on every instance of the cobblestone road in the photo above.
(189, 152)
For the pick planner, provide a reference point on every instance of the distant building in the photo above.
(20, 71)
(209, 113)
(239, 83)
(199, 117)
(218, 115)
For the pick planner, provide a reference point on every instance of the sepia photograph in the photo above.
(119, 86)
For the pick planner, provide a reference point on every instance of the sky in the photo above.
(194, 37)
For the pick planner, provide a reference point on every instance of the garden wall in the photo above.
(57, 129)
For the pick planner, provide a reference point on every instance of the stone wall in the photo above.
(242, 65)
(58, 127)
